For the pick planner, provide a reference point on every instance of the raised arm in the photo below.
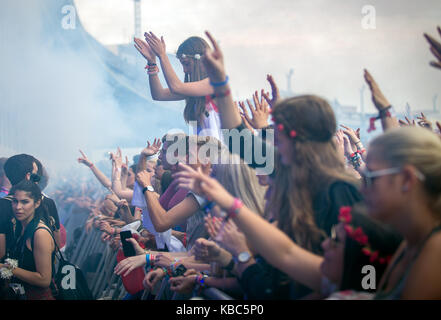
(381, 103)
(214, 65)
(148, 151)
(163, 220)
(186, 89)
(157, 91)
(117, 186)
(98, 174)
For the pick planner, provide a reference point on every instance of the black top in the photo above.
(6, 215)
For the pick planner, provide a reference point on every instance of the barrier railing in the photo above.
(103, 283)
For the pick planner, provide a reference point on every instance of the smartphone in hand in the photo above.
(128, 249)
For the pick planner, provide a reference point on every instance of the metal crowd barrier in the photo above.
(103, 283)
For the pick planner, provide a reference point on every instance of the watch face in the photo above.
(243, 257)
(150, 188)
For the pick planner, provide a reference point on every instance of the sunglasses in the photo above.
(370, 176)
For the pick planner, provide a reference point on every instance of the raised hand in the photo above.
(156, 45)
(435, 48)
(340, 142)
(203, 185)
(347, 146)
(152, 149)
(353, 135)
(213, 61)
(144, 49)
(212, 225)
(242, 110)
(424, 122)
(117, 158)
(275, 95)
(260, 112)
(84, 160)
(378, 98)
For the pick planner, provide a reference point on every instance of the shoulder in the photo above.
(42, 235)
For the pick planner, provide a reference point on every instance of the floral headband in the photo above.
(292, 133)
(359, 236)
(196, 56)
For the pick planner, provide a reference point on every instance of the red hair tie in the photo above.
(280, 127)
(292, 133)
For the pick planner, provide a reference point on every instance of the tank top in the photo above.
(26, 261)
(397, 290)
(210, 125)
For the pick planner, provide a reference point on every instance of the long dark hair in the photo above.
(195, 106)
(315, 165)
(41, 213)
(381, 238)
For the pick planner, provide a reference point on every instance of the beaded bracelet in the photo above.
(235, 208)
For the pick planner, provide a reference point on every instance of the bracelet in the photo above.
(219, 84)
(7, 272)
(91, 165)
(235, 208)
(151, 64)
(355, 160)
(383, 113)
(220, 95)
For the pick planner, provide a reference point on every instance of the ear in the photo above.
(37, 204)
(410, 178)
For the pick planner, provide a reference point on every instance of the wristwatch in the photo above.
(148, 188)
(243, 257)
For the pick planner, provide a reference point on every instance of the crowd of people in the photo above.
(330, 220)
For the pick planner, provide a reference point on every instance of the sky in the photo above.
(323, 41)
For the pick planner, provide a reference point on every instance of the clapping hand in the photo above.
(156, 45)
(144, 49)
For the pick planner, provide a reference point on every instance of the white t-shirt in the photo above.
(162, 238)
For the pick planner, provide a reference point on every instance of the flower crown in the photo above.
(359, 236)
(196, 56)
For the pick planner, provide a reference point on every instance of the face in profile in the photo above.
(383, 194)
(187, 64)
(333, 258)
(24, 206)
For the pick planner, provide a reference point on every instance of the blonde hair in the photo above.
(417, 147)
(241, 181)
